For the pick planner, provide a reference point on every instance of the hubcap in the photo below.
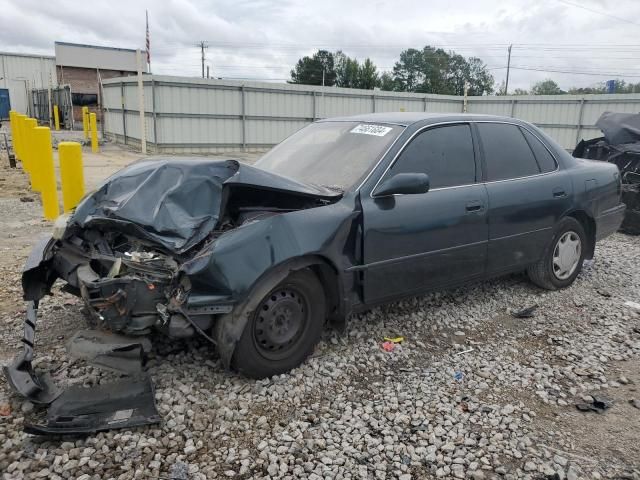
(566, 255)
(280, 320)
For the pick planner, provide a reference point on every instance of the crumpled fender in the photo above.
(245, 263)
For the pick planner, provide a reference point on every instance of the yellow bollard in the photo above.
(30, 160)
(94, 133)
(56, 117)
(71, 174)
(46, 173)
(18, 142)
(12, 126)
(85, 121)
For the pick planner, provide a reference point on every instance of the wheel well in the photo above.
(589, 225)
(328, 276)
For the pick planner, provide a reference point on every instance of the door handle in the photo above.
(559, 192)
(475, 206)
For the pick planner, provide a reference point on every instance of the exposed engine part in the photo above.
(619, 145)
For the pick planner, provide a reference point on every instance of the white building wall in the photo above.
(20, 73)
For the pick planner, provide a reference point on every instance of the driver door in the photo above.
(417, 242)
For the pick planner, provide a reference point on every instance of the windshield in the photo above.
(333, 155)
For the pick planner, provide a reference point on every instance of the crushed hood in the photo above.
(177, 202)
(620, 128)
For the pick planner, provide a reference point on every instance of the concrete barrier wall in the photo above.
(191, 115)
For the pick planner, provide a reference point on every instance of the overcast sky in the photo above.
(262, 39)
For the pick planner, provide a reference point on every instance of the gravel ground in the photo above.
(471, 393)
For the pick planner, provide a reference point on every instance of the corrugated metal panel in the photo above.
(199, 115)
(21, 73)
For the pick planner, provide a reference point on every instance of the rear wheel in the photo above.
(284, 328)
(562, 259)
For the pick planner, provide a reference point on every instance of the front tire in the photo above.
(562, 259)
(284, 328)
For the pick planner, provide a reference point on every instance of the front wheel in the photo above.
(284, 328)
(562, 259)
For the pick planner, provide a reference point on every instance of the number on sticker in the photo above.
(367, 129)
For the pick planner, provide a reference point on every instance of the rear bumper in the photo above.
(609, 221)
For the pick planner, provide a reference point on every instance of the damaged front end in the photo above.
(127, 252)
(620, 145)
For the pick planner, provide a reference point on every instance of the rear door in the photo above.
(422, 241)
(527, 194)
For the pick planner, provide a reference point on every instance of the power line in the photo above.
(573, 72)
(599, 12)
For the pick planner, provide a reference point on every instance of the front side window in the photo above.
(444, 153)
(506, 152)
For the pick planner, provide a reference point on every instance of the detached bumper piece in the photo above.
(123, 404)
(77, 410)
(37, 388)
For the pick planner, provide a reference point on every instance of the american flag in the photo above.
(148, 43)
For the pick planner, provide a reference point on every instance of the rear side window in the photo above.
(443, 153)
(507, 153)
(545, 160)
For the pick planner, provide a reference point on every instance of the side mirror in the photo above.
(403, 183)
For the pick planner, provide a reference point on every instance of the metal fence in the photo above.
(43, 98)
(190, 115)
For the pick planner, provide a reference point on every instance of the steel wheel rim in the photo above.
(280, 321)
(566, 255)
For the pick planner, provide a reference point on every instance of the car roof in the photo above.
(407, 118)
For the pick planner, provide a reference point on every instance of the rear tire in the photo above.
(283, 329)
(562, 259)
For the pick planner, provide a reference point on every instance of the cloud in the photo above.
(264, 38)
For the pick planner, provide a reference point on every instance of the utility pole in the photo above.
(207, 71)
(323, 76)
(202, 45)
(506, 84)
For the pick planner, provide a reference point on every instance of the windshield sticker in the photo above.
(377, 130)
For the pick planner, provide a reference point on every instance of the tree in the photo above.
(309, 70)
(480, 80)
(520, 91)
(546, 87)
(432, 70)
(386, 82)
(347, 70)
(367, 75)
(408, 72)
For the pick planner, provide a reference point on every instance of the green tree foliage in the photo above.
(368, 77)
(620, 87)
(546, 87)
(309, 70)
(386, 82)
(432, 70)
(347, 70)
(340, 70)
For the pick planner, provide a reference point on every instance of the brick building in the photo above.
(84, 66)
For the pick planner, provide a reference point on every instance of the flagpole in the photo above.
(148, 42)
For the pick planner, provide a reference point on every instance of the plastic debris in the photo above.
(464, 351)
(388, 346)
(598, 405)
(635, 305)
(458, 376)
(527, 312)
(394, 339)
